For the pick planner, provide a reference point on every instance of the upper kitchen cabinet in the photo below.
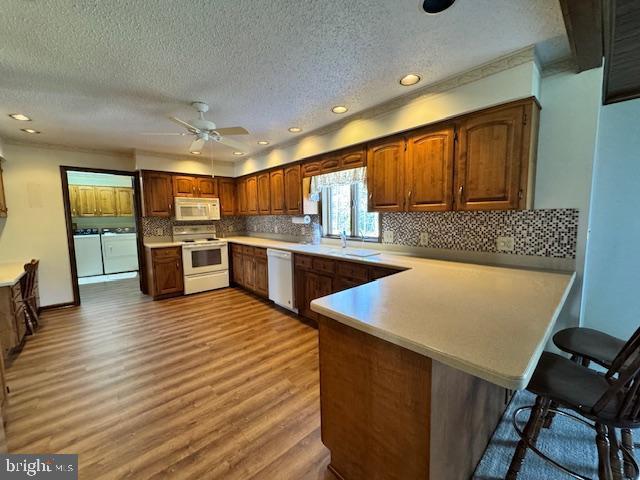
(312, 167)
(241, 193)
(352, 157)
(184, 186)
(74, 200)
(157, 192)
(293, 190)
(124, 201)
(106, 201)
(264, 193)
(3, 202)
(385, 174)
(278, 206)
(227, 192)
(87, 203)
(429, 170)
(252, 195)
(207, 187)
(492, 162)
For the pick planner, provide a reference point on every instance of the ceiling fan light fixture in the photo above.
(20, 117)
(30, 130)
(410, 79)
(339, 109)
(295, 129)
(433, 7)
(263, 142)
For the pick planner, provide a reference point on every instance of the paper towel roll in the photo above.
(303, 220)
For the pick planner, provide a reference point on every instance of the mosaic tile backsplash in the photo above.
(545, 233)
(162, 227)
(281, 225)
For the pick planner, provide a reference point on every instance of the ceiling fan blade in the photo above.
(184, 124)
(238, 146)
(196, 145)
(232, 131)
(169, 134)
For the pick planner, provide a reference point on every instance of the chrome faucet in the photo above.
(343, 239)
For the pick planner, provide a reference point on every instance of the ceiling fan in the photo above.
(204, 130)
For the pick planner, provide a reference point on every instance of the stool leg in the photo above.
(548, 418)
(627, 444)
(614, 454)
(604, 464)
(529, 432)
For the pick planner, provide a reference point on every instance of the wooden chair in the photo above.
(610, 401)
(28, 286)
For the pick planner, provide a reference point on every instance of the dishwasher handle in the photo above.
(278, 254)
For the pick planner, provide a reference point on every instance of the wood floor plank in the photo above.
(214, 385)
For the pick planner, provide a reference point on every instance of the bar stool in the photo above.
(610, 401)
(27, 285)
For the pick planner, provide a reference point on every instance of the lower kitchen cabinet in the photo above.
(13, 325)
(250, 270)
(164, 272)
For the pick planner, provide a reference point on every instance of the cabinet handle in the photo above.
(460, 191)
(177, 265)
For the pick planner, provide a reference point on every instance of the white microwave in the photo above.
(188, 209)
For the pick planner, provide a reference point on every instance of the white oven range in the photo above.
(204, 258)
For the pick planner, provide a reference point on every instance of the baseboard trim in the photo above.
(55, 306)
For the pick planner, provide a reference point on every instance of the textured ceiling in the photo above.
(98, 73)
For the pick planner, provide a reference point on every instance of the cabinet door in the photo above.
(242, 196)
(106, 198)
(293, 190)
(489, 160)
(157, 192)
(429, 170)
(262, 277)
(342, 283)
(3, 202)
(278, 206)
(124, 202)
(238, 269)
(184, 186)
(252, 195)
(249, 272)
(385, 175)
(315, 286)
(264, 195)
(74, 200)
(227, 191)
(207, 187)
(87, 204)
(310, 168)
(329, 163)
(352, 157)
(167, 275)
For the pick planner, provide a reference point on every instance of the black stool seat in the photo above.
(590, 344)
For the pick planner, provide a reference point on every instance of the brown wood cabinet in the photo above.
(489, 160)
(124, 201)
(264, 193)
(293, 190)
(252, 195)
(227, 191)
(106, 200)
(241, 196)
(278, 205)
(207, 187)
(93, 201)
(13, 325)
(3, 200)
(385, 174)
(250, 268)
(157, 193)
(352, 157)
(195, 186)
(311, 167)
(74, 200)
(87, 202)
(164, 270)
(429, 170)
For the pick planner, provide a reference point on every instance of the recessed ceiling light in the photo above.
(436, 6)
(295, 129)
(196, 153)
(29, 130)
(410, 79)
(263, 142)
(238, 153)
(20, 117)
(339, 109)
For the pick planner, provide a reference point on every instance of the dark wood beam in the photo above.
(583, 21)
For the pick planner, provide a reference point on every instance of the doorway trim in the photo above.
(137, 200)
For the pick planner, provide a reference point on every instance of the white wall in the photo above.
(612, 276)
(99, 179)
(566, 151)
(511, 84)
(35, 225)
(192, 164)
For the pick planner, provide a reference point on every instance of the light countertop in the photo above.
(10, 273)
(491, 322)
(161, 243)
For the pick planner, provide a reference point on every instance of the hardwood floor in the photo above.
(209, 386)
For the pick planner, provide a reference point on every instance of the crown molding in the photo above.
(498, 65)
(564, 65)
(69, 148)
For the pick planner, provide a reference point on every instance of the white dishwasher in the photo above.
(281, 278)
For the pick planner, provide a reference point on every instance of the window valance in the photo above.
(343, 177)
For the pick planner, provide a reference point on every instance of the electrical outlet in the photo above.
(424, 238)
(387, 236)
(505, 244)
(159, 232)
(275, 228)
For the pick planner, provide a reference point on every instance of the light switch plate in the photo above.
(505, 244)
(424, 238)
(387, 236)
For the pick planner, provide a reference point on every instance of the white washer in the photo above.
(88, 255)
